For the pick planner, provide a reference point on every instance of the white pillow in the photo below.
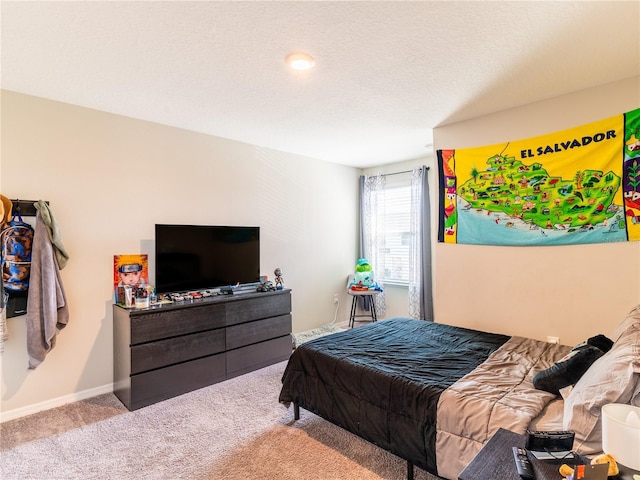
(610, 379)
(633, 318)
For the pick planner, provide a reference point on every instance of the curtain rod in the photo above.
(398, 173)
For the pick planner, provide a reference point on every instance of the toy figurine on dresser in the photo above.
(279, 281)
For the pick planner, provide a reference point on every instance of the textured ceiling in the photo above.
(386, 73)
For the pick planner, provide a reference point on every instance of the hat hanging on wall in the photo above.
(5, 209)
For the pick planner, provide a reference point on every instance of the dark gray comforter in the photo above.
(382, 381)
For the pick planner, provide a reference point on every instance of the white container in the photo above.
(142, 302)
(621, 433)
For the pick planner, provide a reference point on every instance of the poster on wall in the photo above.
(576, 186)
(131, 270)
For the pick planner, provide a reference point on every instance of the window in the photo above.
(392, 239)
(395, 236)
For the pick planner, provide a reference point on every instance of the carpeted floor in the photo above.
(59, 420)
(232, 430)
(328, 329)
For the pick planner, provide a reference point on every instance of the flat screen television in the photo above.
(198, 257)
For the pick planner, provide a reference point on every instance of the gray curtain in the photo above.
(420, 284)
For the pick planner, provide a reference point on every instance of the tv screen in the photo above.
(197, 257)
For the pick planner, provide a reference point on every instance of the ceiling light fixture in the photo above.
(300, 61)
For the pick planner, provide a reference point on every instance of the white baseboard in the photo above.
(54, 402)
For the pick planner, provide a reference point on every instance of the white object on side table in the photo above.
(621, 433)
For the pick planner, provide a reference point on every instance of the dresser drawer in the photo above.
(247, 310)
(161, 353)
(158, 385)
(259, 355)
(257, 331)
(154, 325)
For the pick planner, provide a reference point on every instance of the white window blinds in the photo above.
(394, 207)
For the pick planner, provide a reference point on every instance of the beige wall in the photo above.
(109, 179)
(570, 291)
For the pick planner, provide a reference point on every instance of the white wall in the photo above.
(109, 179)
(571, 291)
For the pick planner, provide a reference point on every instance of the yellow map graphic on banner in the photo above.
(575, 186)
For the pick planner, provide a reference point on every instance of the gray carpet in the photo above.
(232, 430)
(300, 338)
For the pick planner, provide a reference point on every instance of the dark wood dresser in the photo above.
(167, 350)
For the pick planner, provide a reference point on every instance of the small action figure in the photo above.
(279, 282)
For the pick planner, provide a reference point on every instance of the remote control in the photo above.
(525, 470)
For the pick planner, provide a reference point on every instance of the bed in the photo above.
(433, 394)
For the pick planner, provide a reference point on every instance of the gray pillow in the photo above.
(632, 318)
(611, 379)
